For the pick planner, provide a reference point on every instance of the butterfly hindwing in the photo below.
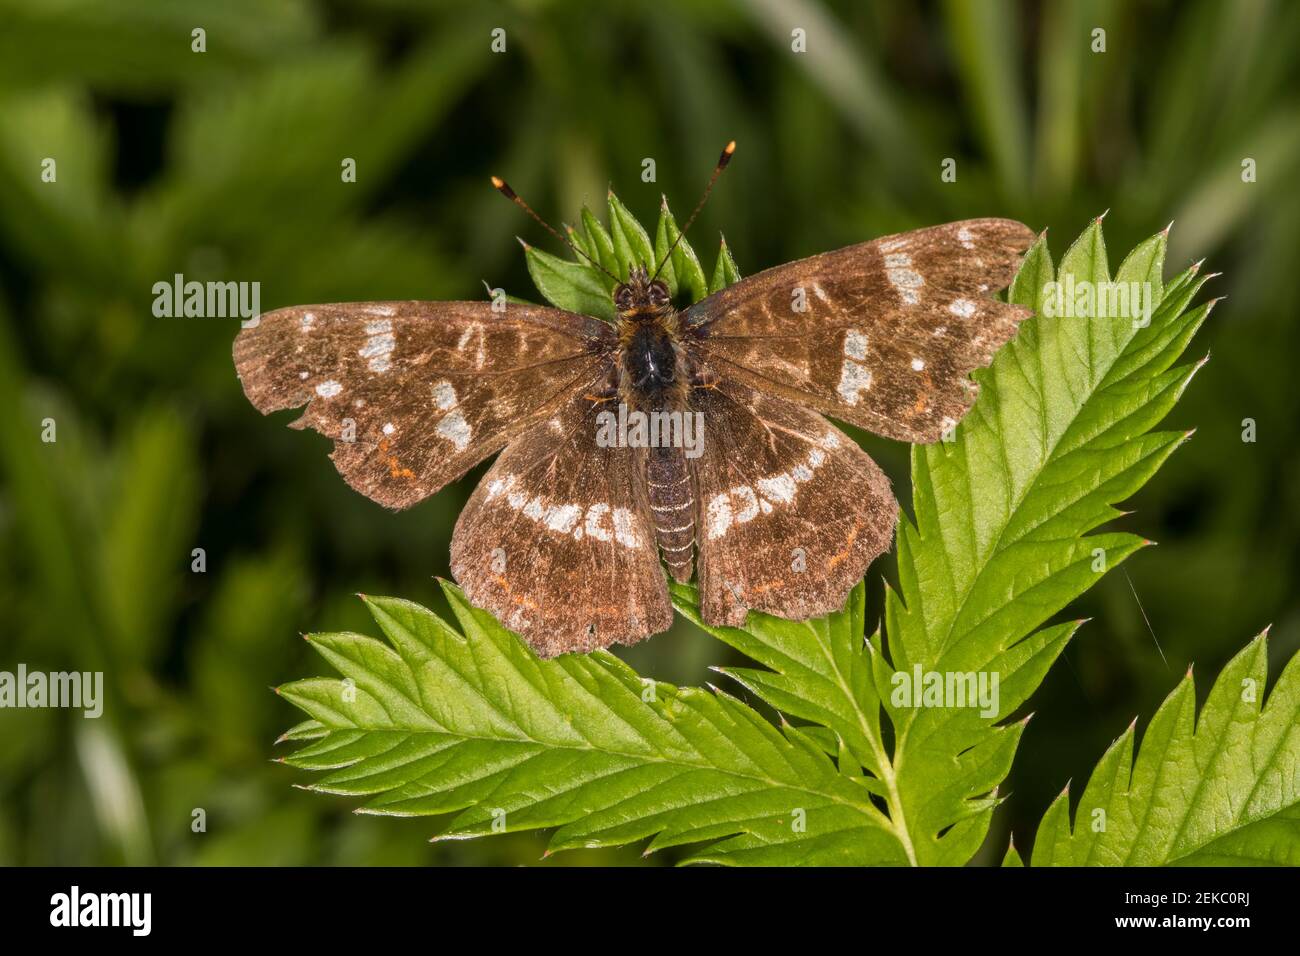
(557, 541)
(416, 393)
(882, 335)
(790, 510)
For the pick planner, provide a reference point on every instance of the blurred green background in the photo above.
(226, 165)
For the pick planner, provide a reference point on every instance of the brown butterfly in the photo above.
(563, 539)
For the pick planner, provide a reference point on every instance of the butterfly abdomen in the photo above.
(672, 507)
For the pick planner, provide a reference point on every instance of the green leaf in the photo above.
(1013, 856)
(1001, 542)
(471, 723)
(631, 242)
(569, 285)
(724, 270)
(1221, 788)
(599, 239)
(580, 286)
(684, 267)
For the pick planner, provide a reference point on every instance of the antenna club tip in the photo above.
(730, 148)
(503, 187)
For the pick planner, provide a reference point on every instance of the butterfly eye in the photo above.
(658, 293)
(622, 298)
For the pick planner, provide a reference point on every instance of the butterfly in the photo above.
(567, 538)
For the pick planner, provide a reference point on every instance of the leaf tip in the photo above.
(1165, 231)
(523, 243)
(1196, 266)
(1101, 217)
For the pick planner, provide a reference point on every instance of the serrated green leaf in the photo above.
(1221, 788)
(632, 245)
(1012, 857)
(599, 239)
(471, 722)
(569, 285)
(724, 270)
(684, 265)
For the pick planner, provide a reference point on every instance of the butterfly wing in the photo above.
(416, 393)
(557, 541)
(883, 335)
(790, 510)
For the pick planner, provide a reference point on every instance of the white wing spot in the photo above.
(743, 503)
(444, 396)
(904, 279)
(854, 379)
(966, 238)
(379, 346)
(308, 320)
(918, 364)
(855, 344)
(719, 516)
(625, 529)
(780, 489)
(563, 518)
(593, 526)
(328, 389)
(455, 429)
(389, 428)
(962, 308)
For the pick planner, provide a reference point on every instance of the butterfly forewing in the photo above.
(416, 393)
(790, 510)
(882, 335)
(557, 541)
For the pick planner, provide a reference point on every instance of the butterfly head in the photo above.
(640, 296)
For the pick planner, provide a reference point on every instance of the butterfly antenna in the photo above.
(504, 189)
(717, 171)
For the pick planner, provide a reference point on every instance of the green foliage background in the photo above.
(226, 165)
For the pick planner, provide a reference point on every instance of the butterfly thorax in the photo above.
(653, 365)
